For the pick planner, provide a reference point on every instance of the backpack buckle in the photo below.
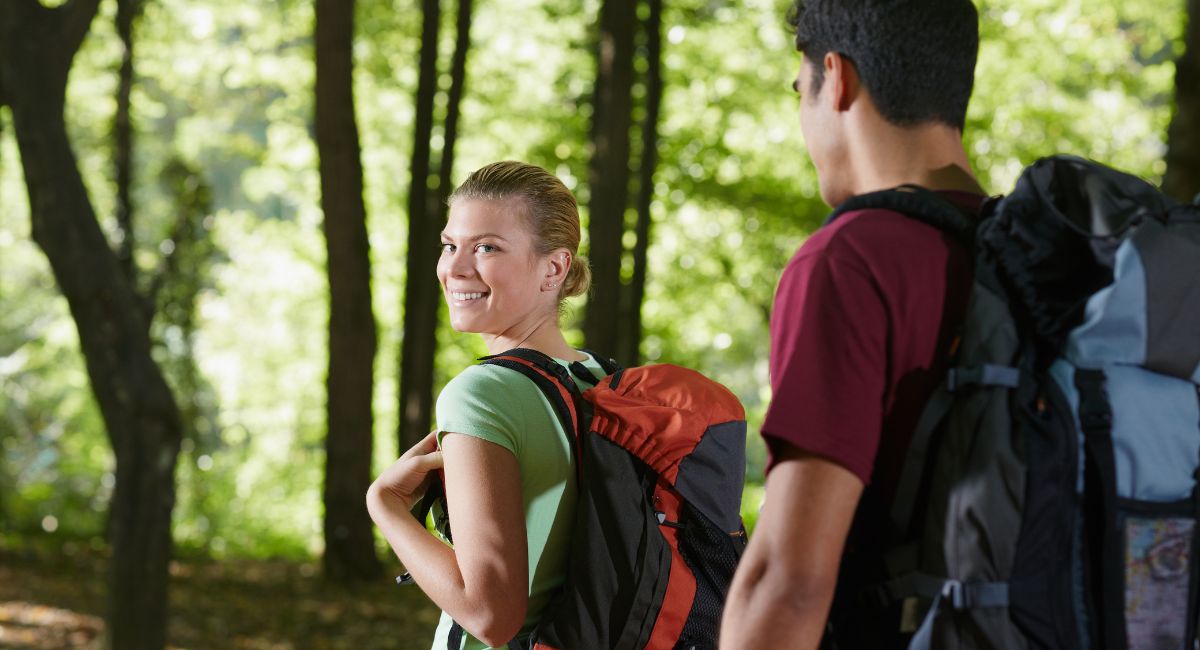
(975, 595)
(954, 594)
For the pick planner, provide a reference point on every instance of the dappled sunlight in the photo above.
(228, 605)
(35, 626)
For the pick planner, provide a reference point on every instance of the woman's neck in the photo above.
(545, 336)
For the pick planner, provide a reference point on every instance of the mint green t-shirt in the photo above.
(504, 407)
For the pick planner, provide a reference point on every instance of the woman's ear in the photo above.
(558, 263)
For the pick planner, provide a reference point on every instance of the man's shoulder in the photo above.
(865, 222)
(859, 236)
(878, 232)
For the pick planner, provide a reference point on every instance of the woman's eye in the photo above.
(485, 248)
(447, 248)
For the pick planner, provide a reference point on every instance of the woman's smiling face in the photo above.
(493, 280)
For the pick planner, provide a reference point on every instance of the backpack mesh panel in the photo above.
(712, 555)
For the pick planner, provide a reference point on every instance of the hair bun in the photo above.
(579, 277)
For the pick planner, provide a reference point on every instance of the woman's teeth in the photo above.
(458, 295)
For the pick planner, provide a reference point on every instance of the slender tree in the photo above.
(127, 11)
(37, 46)
(420, 288)
(630, 334)
(349, 541)
(1182, 178)
(458, 80)
(427, 212)
(608, 170)
(174, 288)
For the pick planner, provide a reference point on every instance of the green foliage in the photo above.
(1094, 79)
(223, 101)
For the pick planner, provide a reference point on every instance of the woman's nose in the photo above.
(460, 264)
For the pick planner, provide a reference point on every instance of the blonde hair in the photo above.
(551, 211)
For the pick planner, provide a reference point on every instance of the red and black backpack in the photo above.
(660, 455)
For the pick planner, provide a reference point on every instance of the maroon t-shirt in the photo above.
(863, 319)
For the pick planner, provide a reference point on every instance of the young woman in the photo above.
(508, 261)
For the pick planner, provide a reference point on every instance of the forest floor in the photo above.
(56, 600)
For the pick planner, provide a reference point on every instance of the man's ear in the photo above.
(842, 77)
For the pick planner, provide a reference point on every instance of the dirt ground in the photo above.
(56, 601)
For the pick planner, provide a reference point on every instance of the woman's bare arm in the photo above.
(483, 582)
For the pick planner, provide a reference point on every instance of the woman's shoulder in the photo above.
(489, 382)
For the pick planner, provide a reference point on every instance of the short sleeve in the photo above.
(828, 362)
(484, 402)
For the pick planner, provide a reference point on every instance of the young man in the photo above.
(863, 316)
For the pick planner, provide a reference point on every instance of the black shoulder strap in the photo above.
(608, 365)
(919, 203)
(1107, 557)
(541, 361)
(556, 385)
(534, 362)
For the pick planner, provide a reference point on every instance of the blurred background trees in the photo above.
(249, 208)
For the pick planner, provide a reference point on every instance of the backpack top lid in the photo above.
(1055, 237)
(689, 429)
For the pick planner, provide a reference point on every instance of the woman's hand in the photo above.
(403, 483)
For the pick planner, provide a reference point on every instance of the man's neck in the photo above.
(930, 155)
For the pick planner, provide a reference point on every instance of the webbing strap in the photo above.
(1100, 502)
(913, 471)
(958, 596)
(987, 374)
(977, 595)
(609, 366)
(905, 586)
(583, 374)
(454, 639)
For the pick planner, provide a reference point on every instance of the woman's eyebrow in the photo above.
(485, 235)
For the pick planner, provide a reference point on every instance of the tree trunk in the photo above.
(37, 45)
(349, 541)
(458, 79)
(630, 335)
(1182, 178)
(420, 285)
(608, 171)
(127, 10)
(174, 289)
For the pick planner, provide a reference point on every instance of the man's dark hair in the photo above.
(915, 57)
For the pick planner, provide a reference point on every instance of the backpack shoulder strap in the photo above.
(919, 203)
(555, 383)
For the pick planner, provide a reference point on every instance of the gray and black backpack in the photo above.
(1049, 498)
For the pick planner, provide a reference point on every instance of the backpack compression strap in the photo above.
(919, 203)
